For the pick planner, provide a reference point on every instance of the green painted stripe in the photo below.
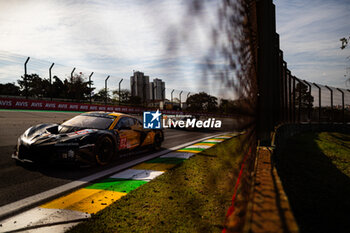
(166, 160)
(194, 149)
(118, 185)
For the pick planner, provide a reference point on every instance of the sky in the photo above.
(309, 37)
(116, 37)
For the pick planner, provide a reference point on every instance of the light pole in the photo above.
(119, 89)
(90, 86)
(106, 89)
(50, 91)
(25, 77)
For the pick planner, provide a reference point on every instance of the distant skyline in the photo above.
(116, 37)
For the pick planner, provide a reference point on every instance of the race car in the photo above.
(92, 137)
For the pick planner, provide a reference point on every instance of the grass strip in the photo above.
(315, 173)
(191, 197)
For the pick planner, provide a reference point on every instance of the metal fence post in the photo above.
(71, 74)
(285, 92)
(50, 91)
(106, 89)
(332, 113)
(289, 95)
(180, 99)
(90, 86)
(309, 107)
(294, 107)
(25, 78)
(299, 108)
(319, 102)
(119, 90)
(343, 104)
(172, 95)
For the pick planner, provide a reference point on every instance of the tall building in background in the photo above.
(140, 86)
(157, 89)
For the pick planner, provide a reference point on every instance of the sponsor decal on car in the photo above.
(81, 132)
(123, 143)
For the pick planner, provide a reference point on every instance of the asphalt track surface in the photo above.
(17, 182)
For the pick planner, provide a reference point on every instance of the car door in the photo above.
(124, 130)
(134, 134)
(129, 136)
(146, 135)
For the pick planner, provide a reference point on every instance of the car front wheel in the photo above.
(104, 151)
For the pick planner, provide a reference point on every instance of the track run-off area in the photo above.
(33, 186)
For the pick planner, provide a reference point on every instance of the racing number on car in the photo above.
(123, 143)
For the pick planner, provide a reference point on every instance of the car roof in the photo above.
(116, 114)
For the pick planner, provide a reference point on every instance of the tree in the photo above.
(36, 86)
(135, 100)
(123, 96)
(344, 44)
(202, 102)
(9, 89)
(101, 95)
(77, 87)
(58, 90)
(306, 98)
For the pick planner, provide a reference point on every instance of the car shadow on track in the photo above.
(80, 170)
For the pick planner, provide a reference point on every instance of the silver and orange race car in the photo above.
(92, 137)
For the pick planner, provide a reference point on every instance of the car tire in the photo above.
(157, 144)
(104, 150)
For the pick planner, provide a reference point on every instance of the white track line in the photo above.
(135, 174)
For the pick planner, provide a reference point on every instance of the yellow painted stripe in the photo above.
(154, 166)
(85, 200)
(214, 140)
(203, 144)
(189, 151)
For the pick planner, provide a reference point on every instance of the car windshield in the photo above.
(88, 121)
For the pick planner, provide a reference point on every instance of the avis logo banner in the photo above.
(152, 120)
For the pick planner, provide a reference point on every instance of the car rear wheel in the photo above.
(157, 142)
(104, 151)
